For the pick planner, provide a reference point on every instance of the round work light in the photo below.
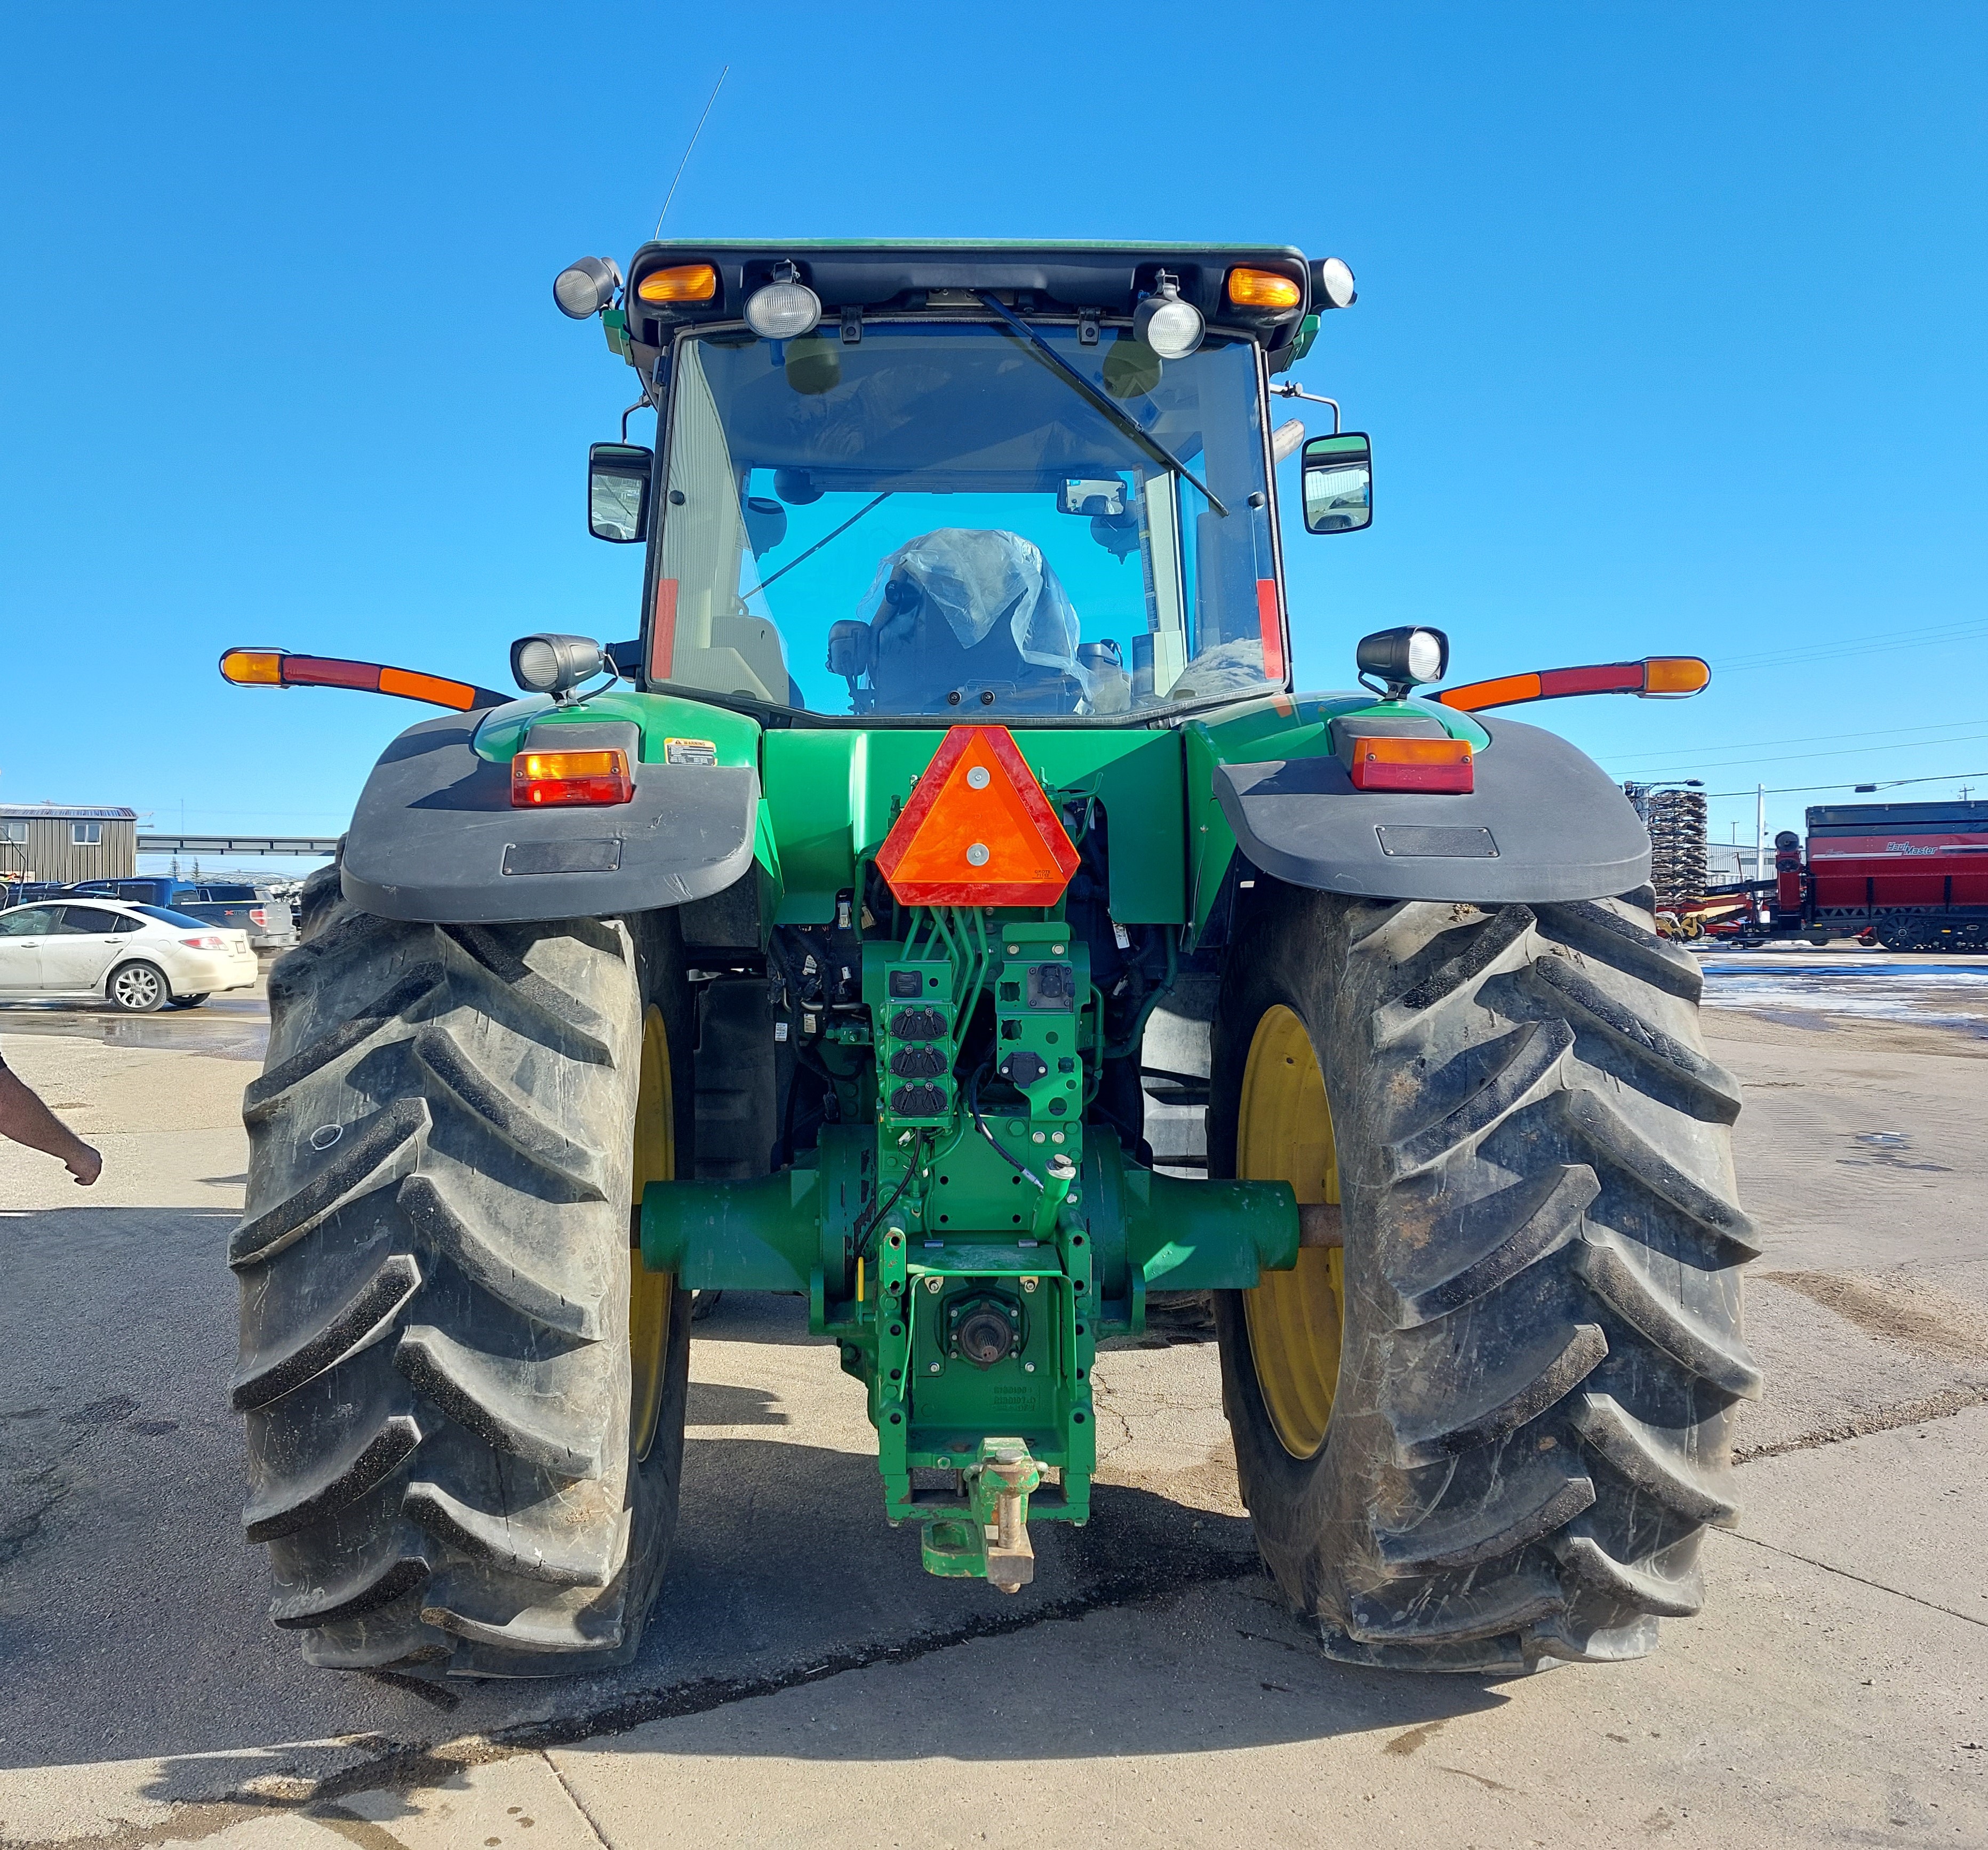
(785, 309)
(1170, 327)
(1332, 284)
(586, 287)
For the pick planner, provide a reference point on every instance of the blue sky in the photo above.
(1669, 338)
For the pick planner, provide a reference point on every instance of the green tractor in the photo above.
(811, 942)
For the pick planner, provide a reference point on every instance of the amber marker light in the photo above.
(253, 668)
(546, 779)
(1672, 677)
(1412, 764)
(1262, 289)
(681, 282)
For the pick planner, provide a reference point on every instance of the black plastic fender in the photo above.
(1544, 822)
(434, 839)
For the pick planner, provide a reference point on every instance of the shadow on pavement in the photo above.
(134, 1618)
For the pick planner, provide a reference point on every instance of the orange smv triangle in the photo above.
(978, 830)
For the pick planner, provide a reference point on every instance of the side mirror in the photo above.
(1338, 484)
(849, 649)
(617, 491)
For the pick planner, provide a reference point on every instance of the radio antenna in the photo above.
(685, 161)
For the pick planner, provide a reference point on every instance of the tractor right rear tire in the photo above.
(464, 1399)
(1489, 1431)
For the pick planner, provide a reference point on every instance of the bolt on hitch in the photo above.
(992, 1540)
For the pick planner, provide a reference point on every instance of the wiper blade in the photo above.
(816, 547)
(1117, 413)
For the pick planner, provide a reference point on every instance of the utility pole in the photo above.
(1759, 831)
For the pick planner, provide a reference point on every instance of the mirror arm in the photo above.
(1291, 389)
(645, 400)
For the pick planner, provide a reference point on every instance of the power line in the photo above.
(1963, 630)
(1889, 731)
(1854, 751)
(1888, 783)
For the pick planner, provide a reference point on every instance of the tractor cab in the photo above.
(945, 483)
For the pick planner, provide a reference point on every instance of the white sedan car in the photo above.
(138, 958)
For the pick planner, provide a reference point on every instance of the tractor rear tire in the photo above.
(453, 1457)
(1503, 1450)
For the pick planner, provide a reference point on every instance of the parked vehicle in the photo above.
(138, 958)
(26, 892)
(234, 905)
(820, 954)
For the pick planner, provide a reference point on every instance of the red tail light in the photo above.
(259, 917)
(1412, 764)
(540, 780)
(210, 942)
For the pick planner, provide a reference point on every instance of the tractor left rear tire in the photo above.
(465, 1400)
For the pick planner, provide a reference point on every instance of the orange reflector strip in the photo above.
(435, 689)
(1412, 764)
(253, 668)
(542, 779)
(1675, 675)
(1507, 691)
(1262, 289)
(682, 282)
(978, 830)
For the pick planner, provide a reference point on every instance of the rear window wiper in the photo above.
(1125, 422)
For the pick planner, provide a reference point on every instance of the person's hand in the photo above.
(85, 1164)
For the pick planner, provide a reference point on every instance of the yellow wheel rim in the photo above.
(1296, 1319)
(650, 1293)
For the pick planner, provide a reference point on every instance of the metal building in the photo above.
(67, 842)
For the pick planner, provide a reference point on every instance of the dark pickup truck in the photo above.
(231, 904)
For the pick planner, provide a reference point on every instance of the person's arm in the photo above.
(27, 1120)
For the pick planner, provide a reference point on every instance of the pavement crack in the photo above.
(593, 1825)
(1931, 1605)
(1489, 1785)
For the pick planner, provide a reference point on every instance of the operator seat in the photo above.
(950, 581)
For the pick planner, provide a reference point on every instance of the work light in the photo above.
(785, 309)
(586, 287)
(1404, 658)
(1170, 327)
(551, 664)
